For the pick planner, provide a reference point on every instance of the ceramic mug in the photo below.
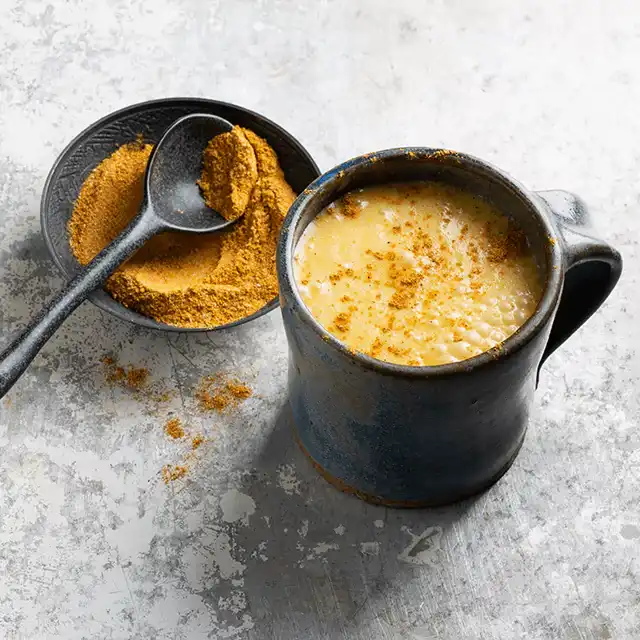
(419, 436)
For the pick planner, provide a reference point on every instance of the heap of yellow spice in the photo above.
(183, 279)
(219, 393)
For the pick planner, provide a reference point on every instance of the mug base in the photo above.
(405, 504)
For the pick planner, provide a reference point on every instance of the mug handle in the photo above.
(592, 267)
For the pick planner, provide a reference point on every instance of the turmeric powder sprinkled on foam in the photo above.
(341, 322)
(424, 274)
(182, 279)
(348, 206)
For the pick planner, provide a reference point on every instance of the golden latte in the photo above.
(417, 274)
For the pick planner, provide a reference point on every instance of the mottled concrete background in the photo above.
(251, 543)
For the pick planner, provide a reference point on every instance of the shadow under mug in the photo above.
(421, 436)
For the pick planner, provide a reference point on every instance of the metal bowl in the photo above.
(150, 119)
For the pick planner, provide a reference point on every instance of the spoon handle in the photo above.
(15, 358)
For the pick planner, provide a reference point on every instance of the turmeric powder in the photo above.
(219, 393)
(134, 378)
(417, 274)
(171, 473)
(174, 428)
(229, 174)
(182, 279)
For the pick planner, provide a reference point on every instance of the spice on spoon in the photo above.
(182, 279)
(229, 174)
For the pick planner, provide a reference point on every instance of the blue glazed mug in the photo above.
(419, 436)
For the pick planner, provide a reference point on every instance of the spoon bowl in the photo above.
(174, 168)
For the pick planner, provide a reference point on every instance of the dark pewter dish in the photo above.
(150, 119)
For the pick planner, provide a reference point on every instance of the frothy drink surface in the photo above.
(417, 274)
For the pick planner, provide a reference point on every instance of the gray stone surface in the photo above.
(251, 543)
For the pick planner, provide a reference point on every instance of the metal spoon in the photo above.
(172, 202)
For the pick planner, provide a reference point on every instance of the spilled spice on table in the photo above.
(134, 378)
(137, 377)
(214, 392)
(174, 428)
(217, 393)
(170, 473)
(238, 390)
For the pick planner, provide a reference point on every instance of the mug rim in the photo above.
(514, 343)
